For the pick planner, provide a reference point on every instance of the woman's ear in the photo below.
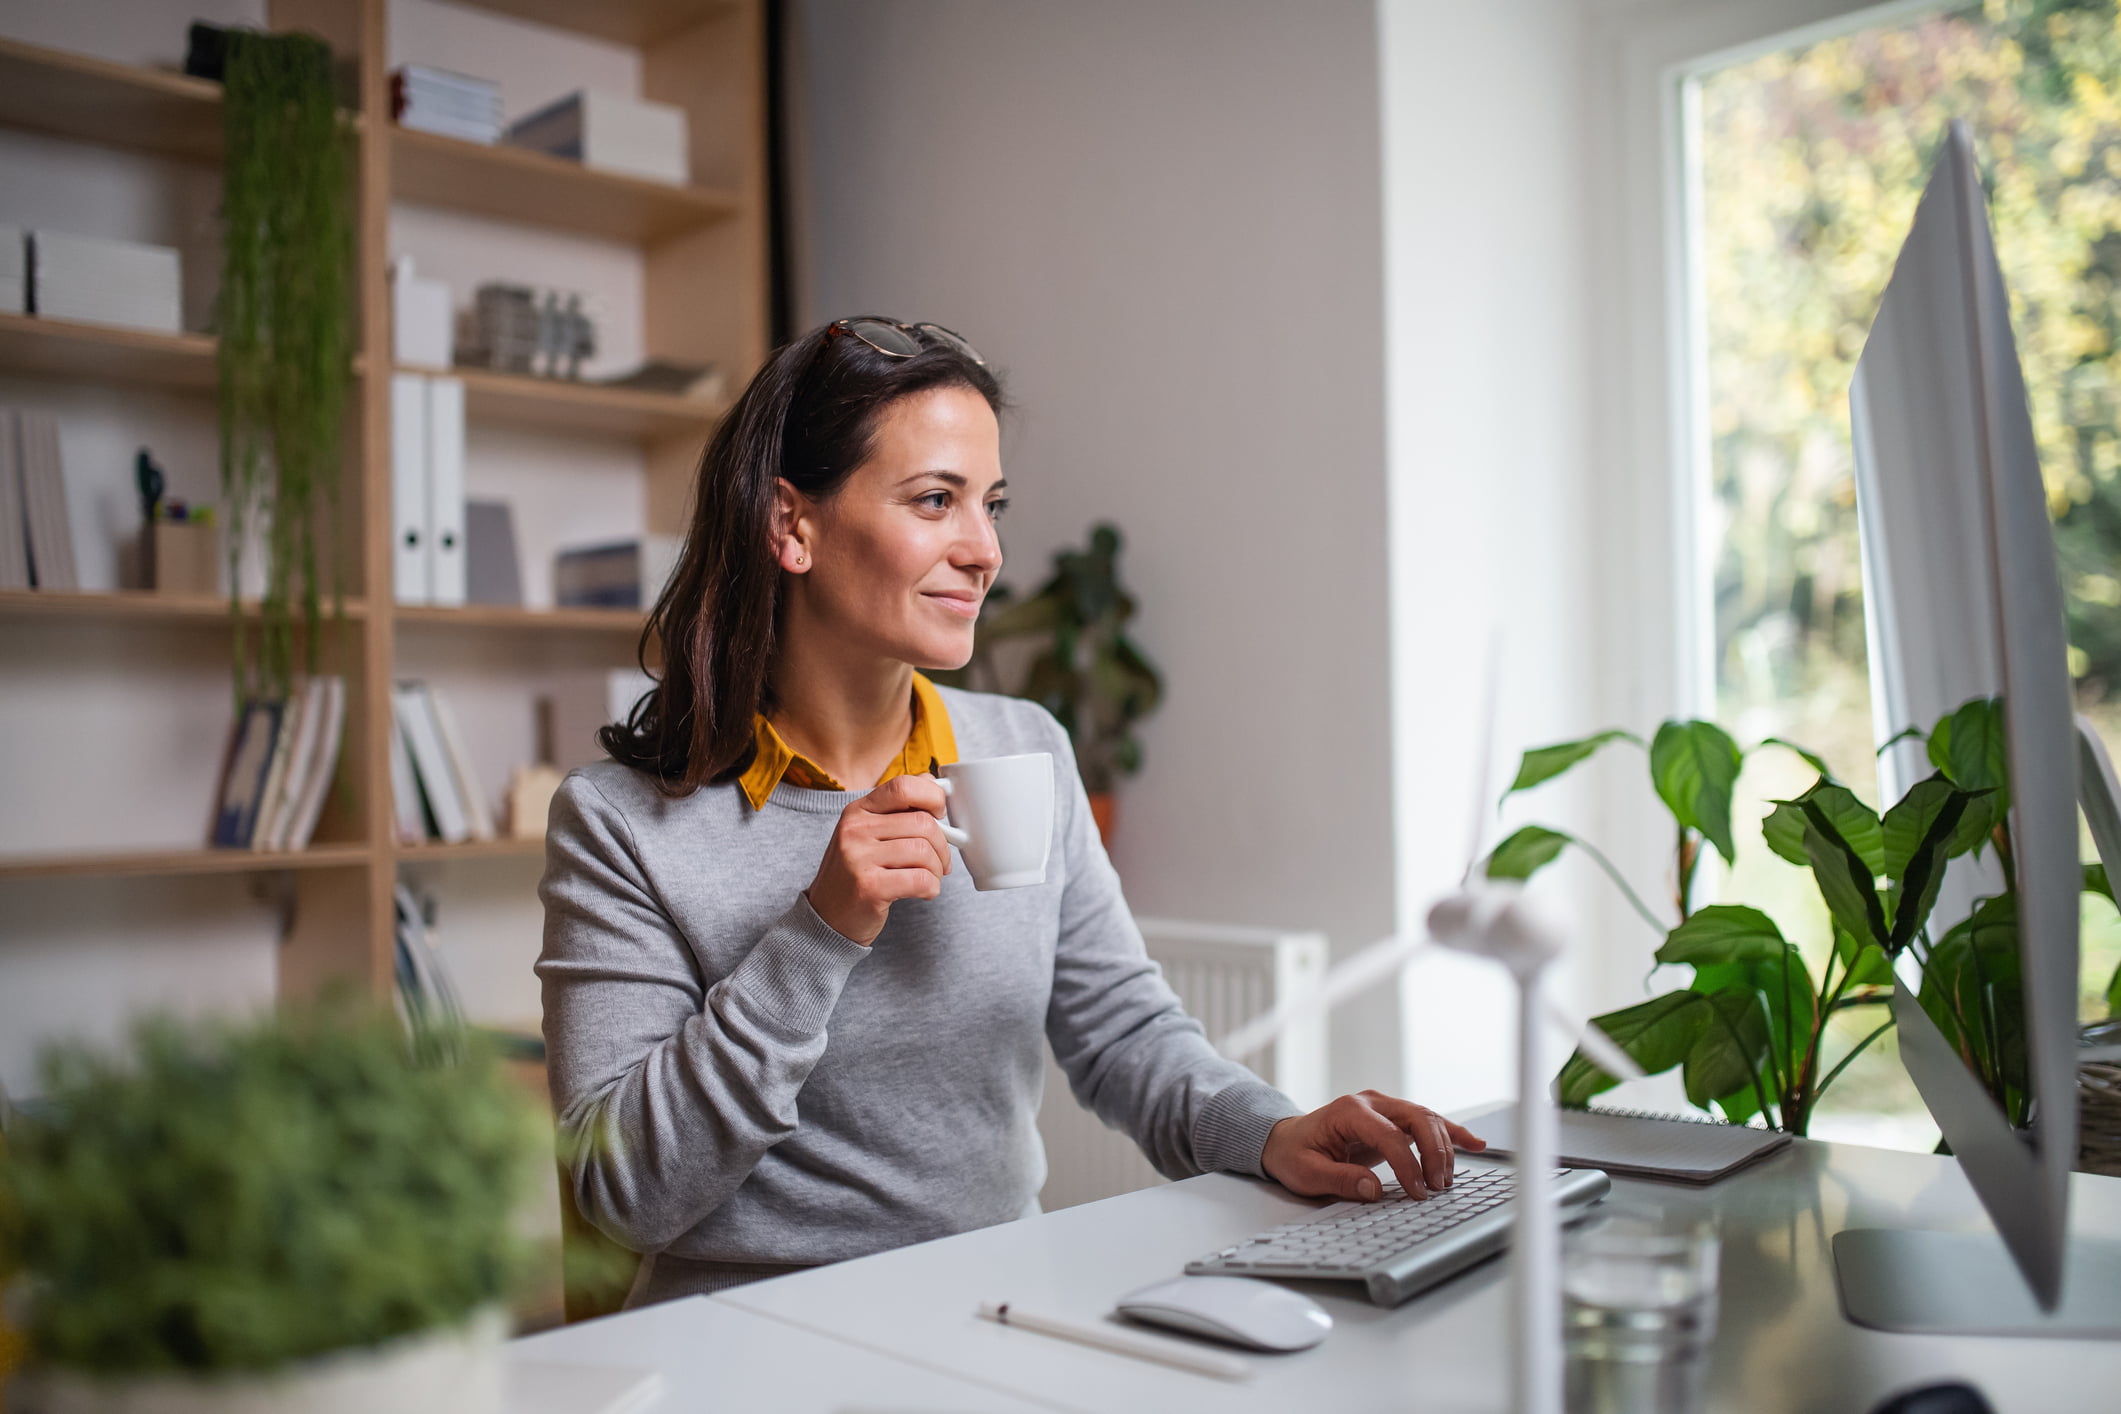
(791, 531)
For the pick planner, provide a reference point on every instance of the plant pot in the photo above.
(453, 1371)
(1104, 809)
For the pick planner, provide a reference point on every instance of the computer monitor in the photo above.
(1962, 601)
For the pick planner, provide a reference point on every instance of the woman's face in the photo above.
(896, 562)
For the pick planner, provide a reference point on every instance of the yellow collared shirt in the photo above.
(931, 742)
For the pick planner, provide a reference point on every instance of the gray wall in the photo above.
(1163, 220)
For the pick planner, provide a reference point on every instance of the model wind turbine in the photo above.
(1495, 921)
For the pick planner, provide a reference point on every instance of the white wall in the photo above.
(1163, 222)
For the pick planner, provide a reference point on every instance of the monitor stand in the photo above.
(1958, 1283)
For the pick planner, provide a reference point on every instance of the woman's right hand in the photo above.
(888, 845)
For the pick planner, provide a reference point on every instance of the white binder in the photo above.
(411, 573)
(445, 489)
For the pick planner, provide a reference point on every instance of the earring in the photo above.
(801, 560)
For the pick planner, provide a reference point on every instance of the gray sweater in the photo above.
(742, 1089)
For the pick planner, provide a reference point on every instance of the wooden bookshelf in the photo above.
(183, 861)
(436, 852)
(30, 605)
(516, 184)
(703, 255)
(511, 619)
(638, 24)
(69, 349)
(120, 105)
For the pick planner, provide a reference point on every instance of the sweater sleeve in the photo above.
(1131, 1053)
(668, 1090)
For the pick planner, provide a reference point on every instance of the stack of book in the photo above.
(625, 574)
(282, 756)
(438, 101)
(102, 281)
(36, 531)
(615, 133)
(436, 793)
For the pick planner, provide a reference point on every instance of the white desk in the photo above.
(1783, 1345)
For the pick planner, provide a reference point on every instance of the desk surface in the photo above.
(1784, 1344)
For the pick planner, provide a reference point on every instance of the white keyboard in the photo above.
(1398, 1246)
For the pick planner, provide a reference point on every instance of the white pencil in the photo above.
(1124, 1342)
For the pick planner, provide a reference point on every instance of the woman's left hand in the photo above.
(1330, 1151)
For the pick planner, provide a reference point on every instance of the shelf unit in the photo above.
(703, 252)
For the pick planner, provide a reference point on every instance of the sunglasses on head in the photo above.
(896, 340)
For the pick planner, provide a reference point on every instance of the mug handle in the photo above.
(951, 832)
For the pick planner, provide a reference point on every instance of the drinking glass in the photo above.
(1639, 1313)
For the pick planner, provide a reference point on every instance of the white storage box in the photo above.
(422, 324)
(616, 134)
(102, 281)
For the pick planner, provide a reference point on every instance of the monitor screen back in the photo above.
(1962, 602)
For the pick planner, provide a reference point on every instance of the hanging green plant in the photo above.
(285, 338)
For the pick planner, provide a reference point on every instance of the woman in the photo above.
(784, 1029)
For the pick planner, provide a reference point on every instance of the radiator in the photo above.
(1224, 975)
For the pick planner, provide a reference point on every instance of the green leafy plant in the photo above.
(1088, 673)
(234, 1198)
(285, 327)
(1749, 1032)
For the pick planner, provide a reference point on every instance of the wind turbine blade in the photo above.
(1364, 970)
(1594, 1043)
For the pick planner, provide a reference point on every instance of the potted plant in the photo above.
(1086, 671)
(1749, 1031)
(302, 1214)
(285, 346)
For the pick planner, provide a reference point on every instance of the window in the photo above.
(1807, 164)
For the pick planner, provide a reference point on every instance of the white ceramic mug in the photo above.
(1001, 817)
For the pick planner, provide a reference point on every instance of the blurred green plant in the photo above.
(285, 349)
(236, 1197)
(1087, 672)
(1749, 1031)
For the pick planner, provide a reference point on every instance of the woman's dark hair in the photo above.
(809, 418)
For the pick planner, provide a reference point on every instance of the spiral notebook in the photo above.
(1635, 1144)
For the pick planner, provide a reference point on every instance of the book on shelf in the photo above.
(282, 757)
(47, 524)
(408, 810)
(14, 528)
(445, 794)
(250, 750)
(624, 574)
(492, 572)
(14, 270)
(427, 995)
(454, 105)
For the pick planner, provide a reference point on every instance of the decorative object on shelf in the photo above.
(1087, 672)
(530, 792)
(518, 329)
(421, 320)
(620, 574)
(575, 706)
(614, 133)
(98, 281)
(701, 381)
(180, 544)
(492, 571)
(285, 338)
(437, 101)
(132, 1203)
(1749, 1032)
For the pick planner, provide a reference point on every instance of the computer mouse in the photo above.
(1255, 1314)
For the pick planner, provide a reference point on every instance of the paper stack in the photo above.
(617, 134)
(104, 282)
(438, 101)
